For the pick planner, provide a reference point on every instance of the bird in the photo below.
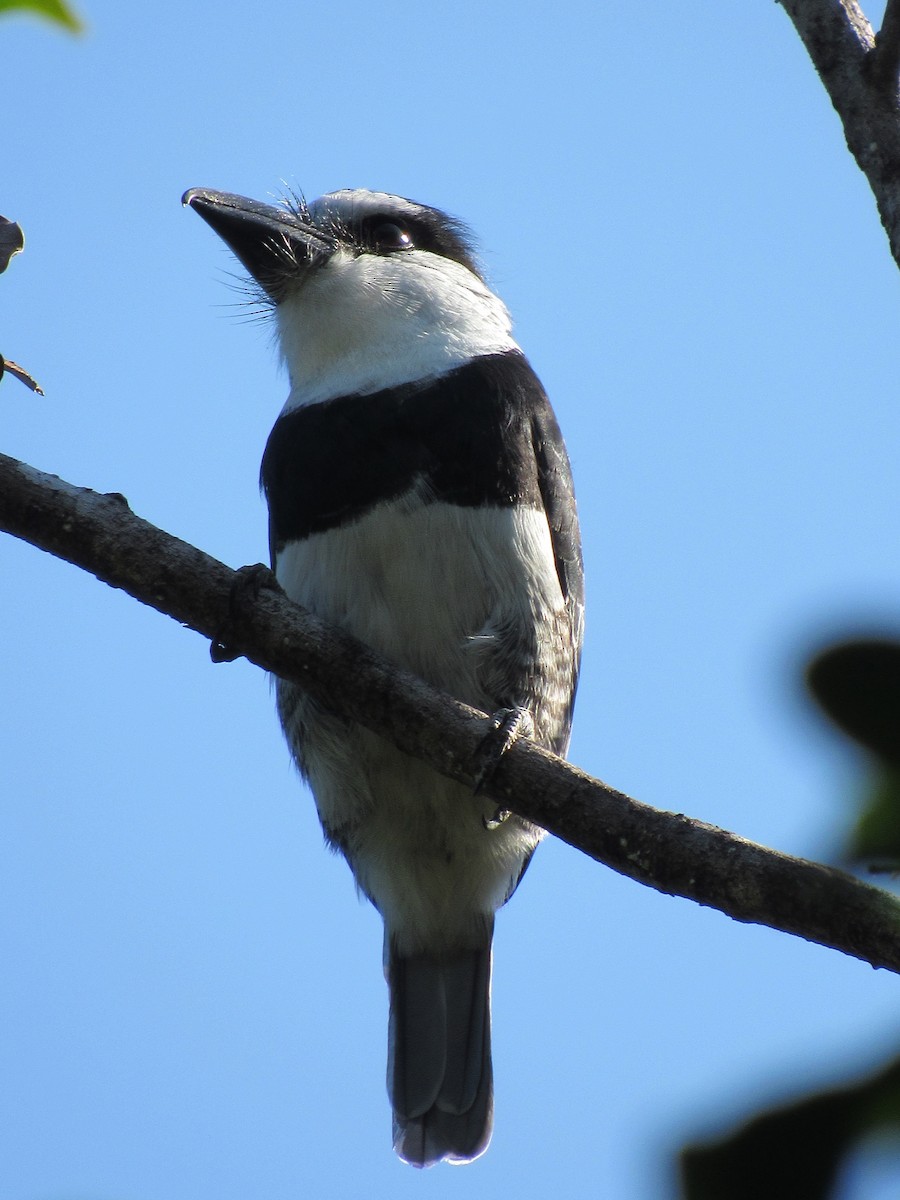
(420, 497)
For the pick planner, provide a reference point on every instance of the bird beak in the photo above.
(272, 243)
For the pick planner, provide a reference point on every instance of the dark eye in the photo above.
(388, 236)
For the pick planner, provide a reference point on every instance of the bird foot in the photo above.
(507, 726)
(245, 591)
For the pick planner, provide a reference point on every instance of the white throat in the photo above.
(363, 323)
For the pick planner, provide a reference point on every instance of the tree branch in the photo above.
(666, 851)
(860, 74)
(887, 47)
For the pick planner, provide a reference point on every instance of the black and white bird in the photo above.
(420, 497)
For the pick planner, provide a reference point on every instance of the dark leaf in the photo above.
(858, 685)
(11, 239)
(793, 1152)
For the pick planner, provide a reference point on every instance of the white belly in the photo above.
(435, 588)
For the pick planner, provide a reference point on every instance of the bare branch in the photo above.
(666, 851)
(887, 48)
(861, 80)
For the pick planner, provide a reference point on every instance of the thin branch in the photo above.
(861, 80)
(666, 851)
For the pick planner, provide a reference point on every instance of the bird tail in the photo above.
(440, 1079)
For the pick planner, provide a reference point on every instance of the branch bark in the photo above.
(860, 74)
(666, 851)
(887, 46)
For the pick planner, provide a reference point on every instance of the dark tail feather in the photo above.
(439, 1055)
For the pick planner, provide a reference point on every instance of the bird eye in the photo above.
(388, 236)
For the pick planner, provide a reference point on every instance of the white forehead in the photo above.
(355, 204)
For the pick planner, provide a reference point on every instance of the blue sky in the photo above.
(191, 1000)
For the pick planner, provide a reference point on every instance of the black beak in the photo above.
(273, 244)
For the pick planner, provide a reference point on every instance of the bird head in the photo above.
(369, 290)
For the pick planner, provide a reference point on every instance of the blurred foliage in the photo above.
(876, 838)
(857, 684)
(50, 10)
(795, 1151)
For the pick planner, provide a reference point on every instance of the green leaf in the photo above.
(794, 1152)
(876, 838)
(51, 10)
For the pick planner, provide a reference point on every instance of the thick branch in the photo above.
(666, 851)
(860, 75)
(887, 46)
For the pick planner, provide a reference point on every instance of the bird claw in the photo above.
(248, 584)
(507, 726)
